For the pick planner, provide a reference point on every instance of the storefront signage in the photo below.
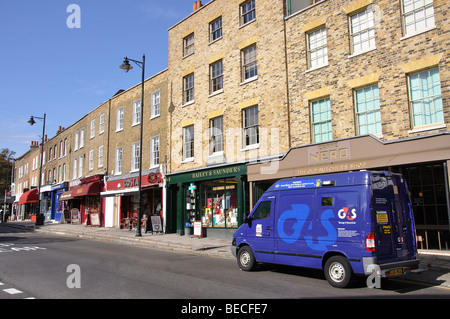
(147, 180)
(131, 182)
(332, 168)
(330, 152)
(213, 173)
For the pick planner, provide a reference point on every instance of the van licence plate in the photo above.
(396, 272)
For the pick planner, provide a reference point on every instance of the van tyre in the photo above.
(246, 259)
(338, 271)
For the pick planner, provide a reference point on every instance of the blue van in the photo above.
(346, 224)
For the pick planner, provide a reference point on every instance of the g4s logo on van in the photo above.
(295, 223)
(345, 212)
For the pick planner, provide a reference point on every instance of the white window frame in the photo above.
(367, 110)
(136, 113)
(216, 135)
(250, 126)
(188, 143)
(119, 119)
(188, 89)
(215, 30)
(431, 105)
(102, 124)
(61, 149)
(188, 45)
(317, 48)
(119, 159)
(249, 63)
(92, 135)
(362, 31)
(91, 160)
(216, 77)
(156, 104)
(100, 156)
(135, 149)
(82, 138)
(418, 14)
(250, 12)
(77, 137)
(75, 168)
(318, 120)
(80, 166)
(154, 151)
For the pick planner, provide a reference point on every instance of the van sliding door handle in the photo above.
(269, 228)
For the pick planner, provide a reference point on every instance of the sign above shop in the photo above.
(213, 173)
(147, 180)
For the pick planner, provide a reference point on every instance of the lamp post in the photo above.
(39, 217)
(127, 67)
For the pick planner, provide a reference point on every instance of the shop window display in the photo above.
(218, 203)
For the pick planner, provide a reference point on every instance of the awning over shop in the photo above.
(66, 195)
(29, 197)
(86, 189)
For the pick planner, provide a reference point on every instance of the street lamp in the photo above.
(39, 217)
(127, 67)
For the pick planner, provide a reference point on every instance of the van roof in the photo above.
(340, 179)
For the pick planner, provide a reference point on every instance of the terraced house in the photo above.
(258, 90)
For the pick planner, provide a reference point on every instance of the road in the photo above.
(47, 267)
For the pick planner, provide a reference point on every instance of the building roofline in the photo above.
(191, 14)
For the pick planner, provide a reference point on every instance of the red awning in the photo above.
(29, 197)
(86, 189)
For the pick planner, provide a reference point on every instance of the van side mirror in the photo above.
(247, 219)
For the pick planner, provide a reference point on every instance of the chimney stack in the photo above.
(197, 5)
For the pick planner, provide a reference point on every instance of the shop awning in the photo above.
(66, 195)
(29, 197)
(86, 189)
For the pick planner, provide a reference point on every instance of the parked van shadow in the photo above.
(401, 285)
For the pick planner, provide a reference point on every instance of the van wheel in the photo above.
(246, 259)
(338, 271)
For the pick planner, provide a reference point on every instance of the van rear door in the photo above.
(393, 219)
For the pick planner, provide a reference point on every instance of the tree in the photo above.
(5, 169)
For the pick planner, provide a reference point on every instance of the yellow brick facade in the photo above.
(396, 55)
(267, 91)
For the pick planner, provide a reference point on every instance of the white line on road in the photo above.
(12, 291)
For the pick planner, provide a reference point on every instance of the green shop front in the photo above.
(216, 197)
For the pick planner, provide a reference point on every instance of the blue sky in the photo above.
(65, 72)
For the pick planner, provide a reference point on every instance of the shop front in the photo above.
(122, 199)
(28, 204)
(57, 205)
(86, 200)
(424, 162)
(216, 197)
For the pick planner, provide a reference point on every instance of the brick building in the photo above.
(124, 133)
(228, 95)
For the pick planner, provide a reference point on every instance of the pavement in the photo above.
(438, 275)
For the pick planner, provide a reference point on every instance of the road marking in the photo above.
(12, 291)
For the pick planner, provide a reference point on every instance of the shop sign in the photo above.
(329, 152)
(150, 179)
(131, 182)
(213, 173)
